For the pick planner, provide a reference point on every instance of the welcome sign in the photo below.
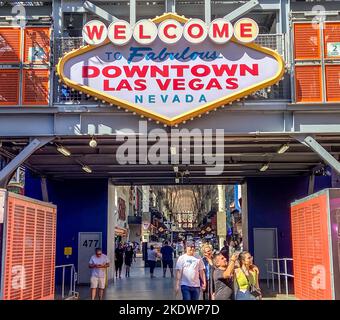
(173, 72)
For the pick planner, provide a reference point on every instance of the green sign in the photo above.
(333, 49)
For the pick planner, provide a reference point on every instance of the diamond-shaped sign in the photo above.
(171, 82)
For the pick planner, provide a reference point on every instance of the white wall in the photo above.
(115, 192)
(111, 223)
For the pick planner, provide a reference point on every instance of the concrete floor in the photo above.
(141, 287)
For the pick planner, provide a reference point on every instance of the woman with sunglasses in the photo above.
(247, 278)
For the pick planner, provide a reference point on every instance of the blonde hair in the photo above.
(205, 246)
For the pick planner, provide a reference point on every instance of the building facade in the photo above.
(40, 117)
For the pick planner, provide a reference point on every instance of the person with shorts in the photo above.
(98, 264)
(167, 258)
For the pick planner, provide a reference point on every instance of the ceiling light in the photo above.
(264, 167)
(87, 169)
(93, 143)
(175, 169)
(64, 151)
(283, 148)
(186, 172)
(173, 150)
(177, 180)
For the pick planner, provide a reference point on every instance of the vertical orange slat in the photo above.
(9, 87)
(306, 41)
(331, 34)
(308, 83)
(311, 249)
(333, 83)
(35, 86)
(37, 45)
(31, 244)
(10, 43)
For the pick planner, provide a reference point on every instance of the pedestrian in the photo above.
(174, 246)
(209, 270)
(134, 251)
(119, 258)
(98, 264)
(223, 277)
(128, 260)
(152, 259)
(167, 258)
(180, 248)
(247, 278)
(190, 277)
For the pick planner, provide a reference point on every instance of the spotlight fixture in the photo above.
(176, 169)
(64, 151)
(264, 167)
(86, 169)
(93, 143)
(172, 151)
(283, 148)
(177, 180)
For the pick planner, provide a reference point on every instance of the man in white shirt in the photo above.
(98, 263)
(190, 275)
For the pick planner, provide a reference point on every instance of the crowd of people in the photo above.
(125, 254)
(224, 275)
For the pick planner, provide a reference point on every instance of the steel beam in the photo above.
(44, 191)
(311, 183)
(89, 6)
(7, 172)
(207, 11)
(170, 6)
(321, 151)
(242, 10)
(132, 12)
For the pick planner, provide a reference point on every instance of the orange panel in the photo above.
(35, 87)
(9, 87)
(331, 34)
(308, 83)
(311, 247)
(30, 250)
(306, 41)
(37, 45)
(333, 83)
(10, 43)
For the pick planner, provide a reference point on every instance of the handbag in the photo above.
(253, 289)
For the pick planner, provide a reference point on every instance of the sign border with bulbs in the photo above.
(183, 117)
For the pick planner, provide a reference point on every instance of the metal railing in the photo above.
(72, 294)
(275, 269)
(63, 95)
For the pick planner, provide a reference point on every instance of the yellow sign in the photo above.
(67, 251)
(170, 83)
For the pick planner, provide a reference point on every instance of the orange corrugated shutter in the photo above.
(37, 45)
(311, 247)
(331, 34)
(306, 41)
(10, 45)
(308, 83)
(9, 87)
(30, 250)
(333, 82)
(35, 87)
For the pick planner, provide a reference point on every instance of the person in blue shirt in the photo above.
(167, 258)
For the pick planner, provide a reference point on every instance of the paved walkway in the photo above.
(141, 287)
